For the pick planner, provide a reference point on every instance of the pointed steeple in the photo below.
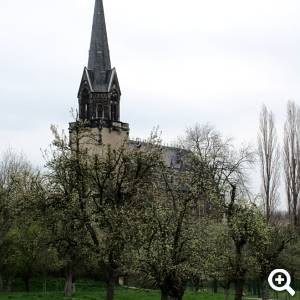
(99, 58)
(99, 91)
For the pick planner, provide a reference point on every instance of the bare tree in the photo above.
(221, 160)
(292, 160)
(269, 159)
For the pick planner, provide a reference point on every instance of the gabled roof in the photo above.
(111, 80)
(85, 82)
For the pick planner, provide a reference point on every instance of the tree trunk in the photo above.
(1, 283)
(256, 288)
(27, 283)
(265, 290)
(163, 295)
(196, 284)
(69, 282)
(226, 292)
(215, 286)
(9, 285)
(110, 288)
(179, 297)
(240, 271)
(177, 294)
(226, 288)
(239, 289)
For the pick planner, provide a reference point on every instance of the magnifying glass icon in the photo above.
(280, 280)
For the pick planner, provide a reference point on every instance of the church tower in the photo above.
(99, 94)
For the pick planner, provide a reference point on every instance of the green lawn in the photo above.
(91, 292)
(99, 295)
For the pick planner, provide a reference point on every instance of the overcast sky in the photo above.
(178, 62)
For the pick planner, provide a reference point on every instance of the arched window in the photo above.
(84, 105)
(106, 112)
(115, 106)
(114, 112)
(99, 111)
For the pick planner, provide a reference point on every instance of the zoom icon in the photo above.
(280, 280)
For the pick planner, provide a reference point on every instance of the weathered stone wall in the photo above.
(97, 140)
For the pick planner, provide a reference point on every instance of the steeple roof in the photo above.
(99, 65)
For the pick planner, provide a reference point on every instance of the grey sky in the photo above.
(178, 62)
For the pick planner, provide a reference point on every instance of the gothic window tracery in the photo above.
(99, 111)
(115, 106)
(84, 105)
(106, 113)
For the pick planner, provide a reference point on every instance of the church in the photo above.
(99, 96)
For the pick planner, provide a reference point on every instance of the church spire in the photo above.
(99, 58)
(99, 92)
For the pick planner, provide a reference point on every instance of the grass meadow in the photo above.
(121, 294)
(53, 290)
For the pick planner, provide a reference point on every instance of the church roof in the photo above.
(99, 65)
(111, 80)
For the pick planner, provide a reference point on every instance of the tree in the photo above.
(222, 263)
(292, 161)
(217, 157)
(182, 201)
(170, 233)
(101, 189)
(61, 210)
(271, 241)
(119, 180)
(28, 252)
(272, 244)
(13, 169)
(11, 165)
(244, 224)
(289, 259)
(225, 171)
(269, 159)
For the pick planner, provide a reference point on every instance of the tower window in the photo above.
(114, 112)
(99, 112)
(86, 109)
(115, 106)
(84, 105)
(106, 113)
